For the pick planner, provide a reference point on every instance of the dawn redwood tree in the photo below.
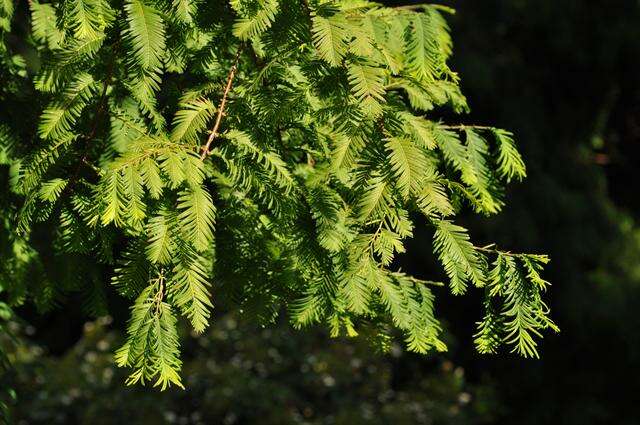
(270, 154)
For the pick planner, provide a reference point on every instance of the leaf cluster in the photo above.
(272, 153)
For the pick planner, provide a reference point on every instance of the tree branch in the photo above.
(214, 132)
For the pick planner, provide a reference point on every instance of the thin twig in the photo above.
(463, 127)
(214, 132)
(493, 249)
(94, 127)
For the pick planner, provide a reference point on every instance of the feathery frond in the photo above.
(191, 120)
(147, 34)
(197, 216)
(510, 163)
(330, 38)
(459, 257)
(252, 24)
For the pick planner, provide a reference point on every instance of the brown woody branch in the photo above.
(223, 103)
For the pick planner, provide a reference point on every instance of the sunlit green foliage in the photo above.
(274, 153)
